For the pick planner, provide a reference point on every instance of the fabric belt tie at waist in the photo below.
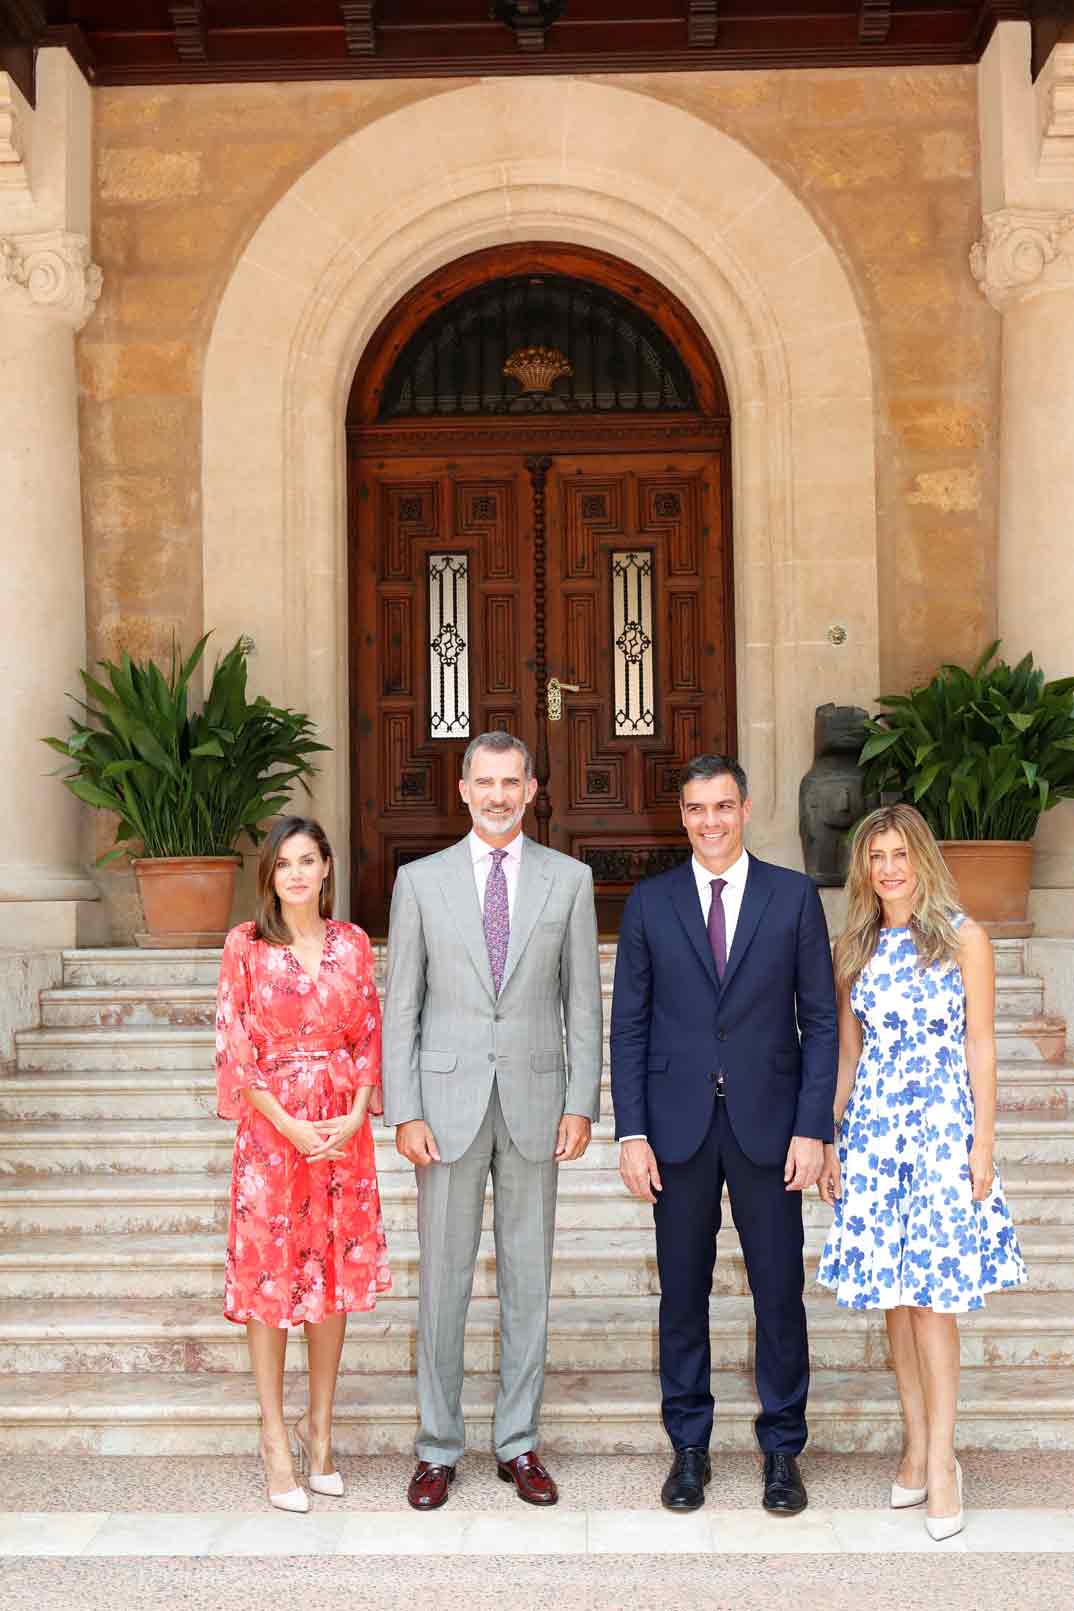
(317, 1049)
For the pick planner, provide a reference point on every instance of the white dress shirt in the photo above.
(731, 896)
(481, 856)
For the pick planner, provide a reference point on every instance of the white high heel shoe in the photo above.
(905, 1498)
(295, 1500)
(941, 1527)
(330, 1484)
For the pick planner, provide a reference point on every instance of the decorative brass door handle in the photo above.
(556, 690)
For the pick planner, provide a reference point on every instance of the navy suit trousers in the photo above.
(768, 1219)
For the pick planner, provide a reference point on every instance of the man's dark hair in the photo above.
(703, 767)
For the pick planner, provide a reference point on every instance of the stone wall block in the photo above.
(934, 425)
(166, 237)
(138, 433)
(840, 159)
(952, 490)
(135, 174)
(948, 154)
(112, 369)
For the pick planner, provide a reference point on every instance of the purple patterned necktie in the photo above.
(718, 926)
(497, 918)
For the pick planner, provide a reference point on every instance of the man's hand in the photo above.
(637, 1166)
(805, 1159)
(416, 1143)
(573, 1137)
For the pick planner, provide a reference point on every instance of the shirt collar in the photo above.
(735, 875)
(479, 849)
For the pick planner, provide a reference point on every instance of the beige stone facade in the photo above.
(822, 227)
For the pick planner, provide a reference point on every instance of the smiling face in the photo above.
(497, 793)
(299, 872)
(891, 872)
(715, 815)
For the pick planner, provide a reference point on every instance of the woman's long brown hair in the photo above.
(268, 919)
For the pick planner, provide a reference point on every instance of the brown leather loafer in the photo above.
(531, 1480)
(429, 1486)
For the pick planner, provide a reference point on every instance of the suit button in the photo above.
(492, 1057)
(722, 1035)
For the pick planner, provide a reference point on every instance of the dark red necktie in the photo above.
(718, 926)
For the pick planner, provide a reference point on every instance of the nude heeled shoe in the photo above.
(296, 1500)
(330, 1483)
(905, 1498)
(941, 1527)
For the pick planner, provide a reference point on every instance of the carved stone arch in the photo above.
(508, 160)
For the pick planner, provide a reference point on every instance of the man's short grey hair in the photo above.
(500, 742)
(704, 767)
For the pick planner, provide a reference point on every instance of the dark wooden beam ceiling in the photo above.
(164, 41)
(1052, 23)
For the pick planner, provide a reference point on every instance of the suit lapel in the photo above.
(460, 893)
(534, 883)
(688, 906)
(755, 897)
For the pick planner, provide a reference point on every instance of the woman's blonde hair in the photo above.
(935, 898)
(268, 919)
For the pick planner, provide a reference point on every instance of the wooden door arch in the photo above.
(525, 516)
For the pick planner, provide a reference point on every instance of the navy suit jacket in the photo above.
(769, 1027)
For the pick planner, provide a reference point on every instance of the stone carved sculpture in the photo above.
(831, 797)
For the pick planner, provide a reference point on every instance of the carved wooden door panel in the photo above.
(639, 620)
(442, 643)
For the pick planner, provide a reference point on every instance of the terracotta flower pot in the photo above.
(186, 899)
(992, 877)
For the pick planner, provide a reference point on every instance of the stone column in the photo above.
(48, 289)
(1024, 265)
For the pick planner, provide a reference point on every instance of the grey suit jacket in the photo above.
(446, 1034)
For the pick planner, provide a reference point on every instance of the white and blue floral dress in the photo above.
(906, 1229)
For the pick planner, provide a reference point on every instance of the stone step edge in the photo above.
(1025, 1179)
(201, 1034)
(200, 1077)
(588, 1247)
(207, 1130)
(134, 1398)
(72, 1319)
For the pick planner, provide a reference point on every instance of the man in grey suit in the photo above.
(492, 953)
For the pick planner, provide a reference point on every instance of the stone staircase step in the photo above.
(591, 1334)
(589, 1199)
(1031, 1135)
(192, 1413)
(120, 1094)
(607, 1263)
(191, 1045)
(193, 1003)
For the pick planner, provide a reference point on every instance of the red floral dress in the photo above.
(306, 1240)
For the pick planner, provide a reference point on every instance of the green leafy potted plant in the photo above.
(982, 754)
(184, 785)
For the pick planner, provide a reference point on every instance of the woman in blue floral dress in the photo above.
(921, 1227)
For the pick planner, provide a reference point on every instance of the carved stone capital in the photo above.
(1023, 252)
(49, 274)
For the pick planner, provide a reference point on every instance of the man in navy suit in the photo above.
(724, 1048)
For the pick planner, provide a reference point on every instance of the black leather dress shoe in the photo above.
(684, 1488)
(784, 1490)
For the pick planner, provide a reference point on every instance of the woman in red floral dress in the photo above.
(298, 1065)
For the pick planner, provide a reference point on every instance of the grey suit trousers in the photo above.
(450, 1203)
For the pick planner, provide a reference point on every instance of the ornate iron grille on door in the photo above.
(619, 360)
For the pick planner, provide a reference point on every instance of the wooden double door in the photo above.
(580, 599)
